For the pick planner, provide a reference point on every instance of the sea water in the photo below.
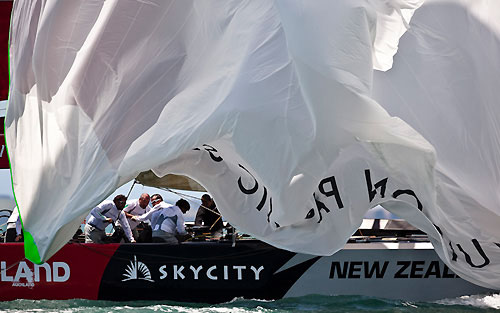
(309, 304)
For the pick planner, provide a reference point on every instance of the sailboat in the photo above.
(275, 109)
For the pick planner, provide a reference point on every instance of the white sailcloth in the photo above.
(267, 104)
(444, 84)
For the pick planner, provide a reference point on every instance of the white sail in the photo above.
(268, 105)
(444, 84)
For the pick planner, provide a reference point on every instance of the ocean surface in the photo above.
(308, 304)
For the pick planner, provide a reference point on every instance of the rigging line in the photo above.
(215, 212)
(131, 187)
(215, 222)
(189, 196)
(178, 193)
(8, 268)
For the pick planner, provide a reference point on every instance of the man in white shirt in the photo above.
(167, 221)
(102, 215)
(135, 208)
(14, 231)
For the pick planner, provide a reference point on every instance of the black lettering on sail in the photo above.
(245, 190)
(372, 192)
(438, 229)
(263, 200)
(211, 151)
(253, 190)
(454, 256)
(321, 206)
(310, 214)
(333, 189)
(270, 210)
(479, 250)
(409, 192)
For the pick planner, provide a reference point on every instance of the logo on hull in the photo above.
(27, 273)
(137, 270)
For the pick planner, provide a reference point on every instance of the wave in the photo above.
(313, 303)
(481, 301)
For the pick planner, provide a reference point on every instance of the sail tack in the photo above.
(273, 107)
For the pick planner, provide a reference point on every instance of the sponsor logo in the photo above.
(403, 269)
(27, 273)
(136, 271)
(214, 272)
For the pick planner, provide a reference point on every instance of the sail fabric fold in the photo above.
(267, 104)
(443, 84)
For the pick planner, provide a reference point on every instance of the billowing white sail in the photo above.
(444, 83)
(267, 104)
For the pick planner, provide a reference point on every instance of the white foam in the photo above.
(207, 309)
(236, 299)
(484, 301)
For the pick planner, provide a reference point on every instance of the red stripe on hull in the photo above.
(73, 272)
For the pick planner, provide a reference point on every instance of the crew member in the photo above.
(167, 220)
(208, 215)
(102, 215)
(134, 208)
(14, 231)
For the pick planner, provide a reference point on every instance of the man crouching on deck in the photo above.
(102, 215)
(167, 221)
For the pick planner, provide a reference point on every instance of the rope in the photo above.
(189, 196)
(215, 222)
(179, 193)
(131, 187)
(8, 268)
(208, 209)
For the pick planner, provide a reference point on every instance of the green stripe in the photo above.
(30, 249)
